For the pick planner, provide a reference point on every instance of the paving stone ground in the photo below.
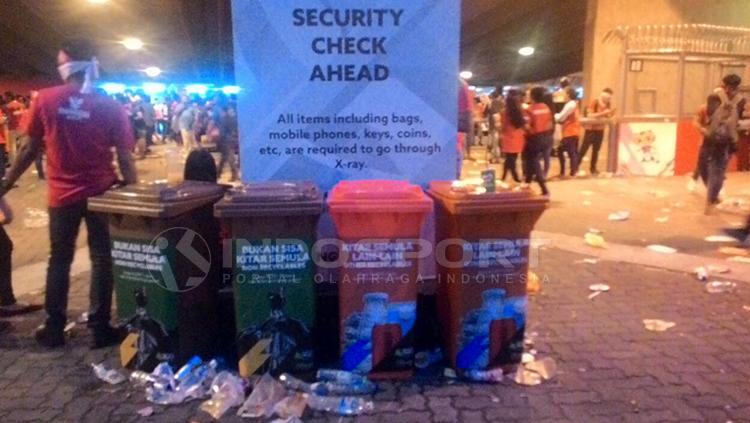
(610, 368)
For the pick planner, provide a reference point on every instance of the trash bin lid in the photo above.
(459, 200)
(377, 196)
(274, 198)
(157, 199)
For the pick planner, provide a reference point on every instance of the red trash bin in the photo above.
(483, 257)
(378, 223)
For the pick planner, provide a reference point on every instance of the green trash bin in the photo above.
(273, 228)
(166, 253)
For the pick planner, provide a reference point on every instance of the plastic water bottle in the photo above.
(345, 406)
(332, 388)
(292, 383)
(339, 376)
(111, 376)
(139, 377)
(492, 376)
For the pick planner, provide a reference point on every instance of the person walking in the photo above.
(78, 128)
(601, 110)
(701, 122)
(512, 139)
(722, 136)
(571, 131)
(539, 136)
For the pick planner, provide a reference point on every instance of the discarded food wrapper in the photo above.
(657, 325)
(527, 377)
(595, 240)
(663, 249)
(291, 406)
(111, 376)
(716, 287)
(619, 216)
(227, 391)
(266, 393)
(527, 358)
(733, 251)
(596, 231)
(719, 238)
(546, 367)
(146, 412)
(449, 373)
(662, 219)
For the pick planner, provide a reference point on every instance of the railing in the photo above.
(686, 38)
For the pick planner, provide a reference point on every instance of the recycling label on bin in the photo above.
(275, 305)
(491, 305)
(141, 265)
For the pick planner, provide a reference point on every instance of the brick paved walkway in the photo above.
(611, 368)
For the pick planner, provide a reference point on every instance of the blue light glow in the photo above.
(231, 89)
(152, 88)
(113, 88)
(199, 89)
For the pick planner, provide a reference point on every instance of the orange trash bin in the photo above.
(378, 224)
(483, 258)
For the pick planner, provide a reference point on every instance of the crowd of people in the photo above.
(535, 125)
(190, 121)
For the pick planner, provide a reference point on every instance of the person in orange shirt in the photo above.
(513, 124)
(540, 131)
(600, 109)
(571, 131)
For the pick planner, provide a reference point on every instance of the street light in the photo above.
(526, 51)
(466, 74)
(152, 71)
(132, 43)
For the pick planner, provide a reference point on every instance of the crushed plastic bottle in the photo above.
(266, 393)
(227, 391)
(111, 376)
(292, 383)
(191, 382)
(333, 388)
(345, 406)
(142, 378)
(489, 376)
(339, 382)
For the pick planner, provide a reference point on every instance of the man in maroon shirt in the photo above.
(78, 130)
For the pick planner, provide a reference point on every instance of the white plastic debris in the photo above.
(663, 249)
(619, 216)
(717, 287)
(35, 218)
(146, 412)
(662, 219)
(111, 376)
(658, 325)
(595, 240)
(719, 238)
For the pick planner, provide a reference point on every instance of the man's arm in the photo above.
(569, 108)
(24, 158)
(127, 165)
